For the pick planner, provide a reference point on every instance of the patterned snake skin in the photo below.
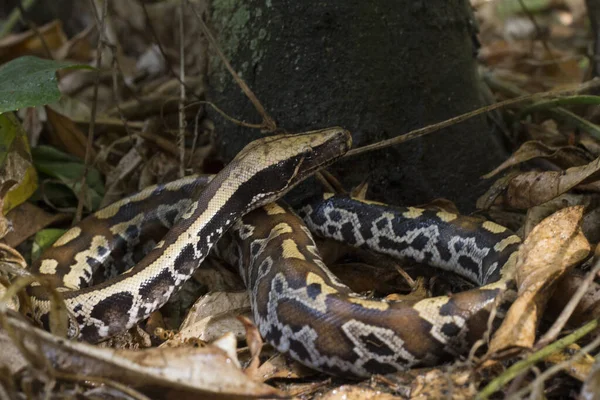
(299, 306)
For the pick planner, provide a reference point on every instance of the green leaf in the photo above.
(30, 81)
(69, 170)
(44, 239)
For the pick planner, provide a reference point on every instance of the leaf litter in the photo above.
(547, 191)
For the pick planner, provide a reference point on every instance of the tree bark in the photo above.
(378, 69)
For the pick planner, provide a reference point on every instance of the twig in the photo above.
(227, 117)
(181, 135)
(90, 139)
(565, 314)
(33, 27)
(268, 123)
(517, 368)
(592, 84)
(559, 367)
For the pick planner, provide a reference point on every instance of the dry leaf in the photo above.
(27, 219)
(30, 43)
(212, 316)
(281, 366)
(579, 369)
(206, 371)
(355, 392)
(552, 249)
(255, 344)
(588, 307)
(533, 188)
(65, 135)
(443, 384)
(564, 157)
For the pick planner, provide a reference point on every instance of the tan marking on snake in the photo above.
(273, 209)
(413, 212)
(290, 250)
(493, 227)
(372, 304)
(69, 235)
(446, 216)
(48, 267)
(504, 243)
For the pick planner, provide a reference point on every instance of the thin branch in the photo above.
(521, 366)
(90, 138)
(268, 123)
(565, 314)
(592, 84)
(181, 135)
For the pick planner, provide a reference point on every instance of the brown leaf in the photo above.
(200, 372)
(554, 246)
(578, 369)
(564, 157)
(27, 219)
(443, 384)
(65, 135)
(588, 307)
(255, 344)
(30, 43)
(533, 188)
(212, 316)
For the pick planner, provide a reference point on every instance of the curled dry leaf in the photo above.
(212, 316)
(536, 214)
(255, 344)
(441, 383)
(564, 157)
(206, 371)
(578, 369)
(281, 366)
(554, 246)
(355, 392)
(533, 188)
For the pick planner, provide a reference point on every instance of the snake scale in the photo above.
(299, 306)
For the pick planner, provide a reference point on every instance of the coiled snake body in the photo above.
(298, 304)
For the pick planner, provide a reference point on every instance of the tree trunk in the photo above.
(378, 69)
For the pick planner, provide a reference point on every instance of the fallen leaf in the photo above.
(579, 369)
(65, 135)
(533, 188)
(206, 371)
(563, 157)
(27, 219)
(443, 384)
(30, 42)
(554, 247)
(212, 316)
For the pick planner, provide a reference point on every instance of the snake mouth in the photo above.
(328, 145)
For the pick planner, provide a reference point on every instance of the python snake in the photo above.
(299, 306)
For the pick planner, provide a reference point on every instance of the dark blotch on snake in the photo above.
(313, 290)
(185, 262)
(376, 345)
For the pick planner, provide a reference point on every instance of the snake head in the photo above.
(275, 164)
